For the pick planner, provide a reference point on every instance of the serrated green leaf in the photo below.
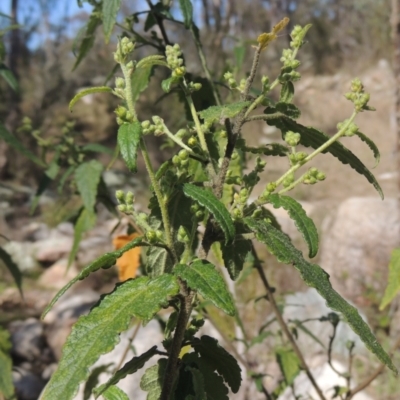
(158, 261)
(150, 61)
(314, 138)
(98, 333)
(11, 140)
(270, 149)
(304, 224)
(88, 35)
(393, 287)
(187, 12)
(6, 380)
(97, 148)
(204, 278)
(86, 92)
(110, 11)
(289, 109)
(9, 77)
(93, 380)
(198, 384)
(153, 379)
(129, 368)
(87, 178)
(129, 136)
(234, 255)
(287, 92)
(220, 113)
(85, 222)
(214, 206)
(314, 276)
(13, 268)
(105, 261)
(115, 393)
(140, 80)
(372, 146)
(218, 359)
(289, 364)
(213, 383)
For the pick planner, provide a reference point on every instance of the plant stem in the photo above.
(160, 199)
(285, 328)
(183, 319)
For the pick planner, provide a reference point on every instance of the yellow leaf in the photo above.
(266, 38)
(129, 262)
(280, 25)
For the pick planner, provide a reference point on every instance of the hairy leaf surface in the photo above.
(218, 359)
(128, 140)
(393, 287)
(220, 113)
(105, 261)
(110, 11)
(203, 277)
(11, 140)
(98, 333)
(140, 80)
(129, 368)
(372, 146)
(87, 178)
(304, 224)
(234, 255)
(12, 267)
(115, 393)
(314, 138)
(86, 92)
(314, 276)
(214, 206)
(287, 92)
(153, 379)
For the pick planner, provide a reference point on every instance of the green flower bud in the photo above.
(146, 124)
(143, 216)
(292, 138)
(129, 198)
(300, 156)
(321, 176)
(194, 208)
(181, 133)
(199, 215)
(232, 83)
(122, 207)
(176, 160)
(197, 86)
(120, 195)
(237, 214)
(192, 141)
(271, 187)
(183, 154)
(151, 236)
(228, 75)
(120, 83)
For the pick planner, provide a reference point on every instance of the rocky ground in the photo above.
(358, 232)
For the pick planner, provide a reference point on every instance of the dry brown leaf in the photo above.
(129, 262)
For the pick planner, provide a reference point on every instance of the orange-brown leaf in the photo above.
(129, 262)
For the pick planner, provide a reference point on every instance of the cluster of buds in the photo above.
(123, 115)
(119, 89)
(197, 211)
(288, 180)
(157, 127)
(312, 176)
(297, 36)
(297, 157)
(252, 178)
(351, 130)
(124, 48)
(125, 201)
(266, 87)
(183, 235)
(287, 59)
(239, 202)
(292, 138)
(175, 61)
(270, 188)
(358, 97)
(154, 236)
(231, 179)
(181, 160)
(228, 76)
(194, 86)
(289, 74)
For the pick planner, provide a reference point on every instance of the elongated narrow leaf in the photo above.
(187, 12)
(140, 80)
(314, 276)
(110, 11)
(314, 138)
(204, 278)
(304, 224)
(12, 267)
(128, 140)
(115, 393)
(10, 139)
(86, 92)
(149, 61)
(218, 359)
(9, 77)
(153, 379)
(234, 255)
(393, 287)
(6, 379)
(220, 113)
(87, 177)
(88, 35)
(98, 333)
(107, 260)
(287, 92)
(129, 368)
(372, 146)
(214, 206)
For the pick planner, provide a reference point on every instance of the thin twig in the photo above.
(285, 328)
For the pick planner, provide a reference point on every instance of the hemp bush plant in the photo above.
(200, 203)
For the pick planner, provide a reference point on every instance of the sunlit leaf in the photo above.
(115, 393)
(289, 364)
(129, 136)
(110, 11)
(93, 380)
(153, 379)
(86, 92)
(187, 12)
(98, 333)
(220, 113)
(393, 287)
(140, 80)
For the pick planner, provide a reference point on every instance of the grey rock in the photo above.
(27, 385)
